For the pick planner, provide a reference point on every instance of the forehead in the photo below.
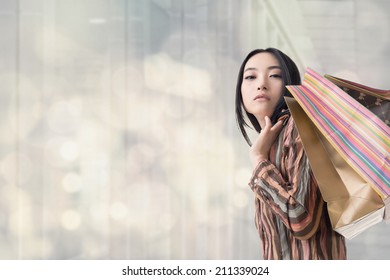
(262, 60)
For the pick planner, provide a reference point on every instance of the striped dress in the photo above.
(291, 216)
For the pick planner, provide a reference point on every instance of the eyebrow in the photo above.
(268, 68)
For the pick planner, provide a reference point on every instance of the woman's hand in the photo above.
(260, 148)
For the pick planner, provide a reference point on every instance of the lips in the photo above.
(261, 97)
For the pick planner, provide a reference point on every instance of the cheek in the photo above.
(245, 101)
(276, 98)
(278, 93)
(245, 93)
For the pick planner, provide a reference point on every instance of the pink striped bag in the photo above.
(348, 146)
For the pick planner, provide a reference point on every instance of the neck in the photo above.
(261, 121)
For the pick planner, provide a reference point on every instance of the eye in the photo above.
(275, 76)
(250, 77)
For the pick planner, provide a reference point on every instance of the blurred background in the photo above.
(118, 135)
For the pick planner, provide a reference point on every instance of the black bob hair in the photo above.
(290, 76)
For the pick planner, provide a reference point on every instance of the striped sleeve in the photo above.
(294, 197)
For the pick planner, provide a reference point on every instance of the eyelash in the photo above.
(252, 77)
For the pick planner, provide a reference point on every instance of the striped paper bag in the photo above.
(348, 148)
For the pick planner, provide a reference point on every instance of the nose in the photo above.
(262, 85)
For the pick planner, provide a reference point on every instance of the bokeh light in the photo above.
(118, 135)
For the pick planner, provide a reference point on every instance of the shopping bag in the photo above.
(348, 149)
(352, 204)
(375, 100)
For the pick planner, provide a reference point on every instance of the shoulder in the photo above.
(289, 125)
(290, 132)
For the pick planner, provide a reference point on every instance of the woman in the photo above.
(291, 216)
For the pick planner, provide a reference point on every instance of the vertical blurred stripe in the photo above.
(118, 136)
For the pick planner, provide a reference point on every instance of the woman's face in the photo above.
(262, 85)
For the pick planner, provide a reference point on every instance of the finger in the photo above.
(277, 126)
(268, 124)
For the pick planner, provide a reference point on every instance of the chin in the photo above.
(261, 113)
